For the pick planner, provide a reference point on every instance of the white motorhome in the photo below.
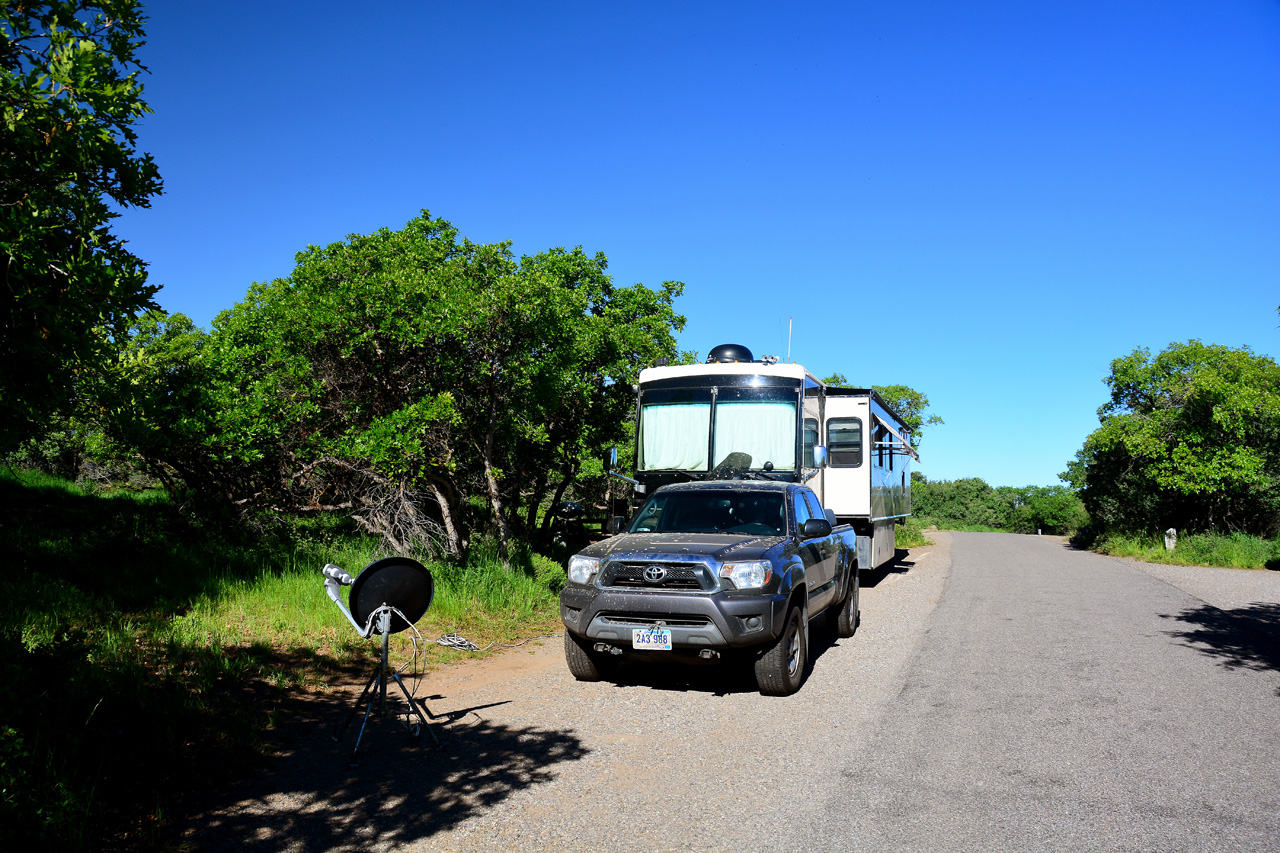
(737, 417)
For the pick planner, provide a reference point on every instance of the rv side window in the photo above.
(844, 442)
(810, 439)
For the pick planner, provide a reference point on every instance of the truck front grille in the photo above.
(644, 620)
(674, 576)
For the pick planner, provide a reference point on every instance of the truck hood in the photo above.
(717, 546)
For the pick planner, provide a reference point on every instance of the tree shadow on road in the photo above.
(403, 789)
(1242, 638)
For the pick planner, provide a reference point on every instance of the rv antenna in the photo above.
(790, 317)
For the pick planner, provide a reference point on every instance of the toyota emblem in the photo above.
(654, 574)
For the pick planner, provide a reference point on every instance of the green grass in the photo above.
(137, 641)
(910, 535)
(1233, 550)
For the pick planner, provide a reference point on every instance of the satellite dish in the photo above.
(397, 582)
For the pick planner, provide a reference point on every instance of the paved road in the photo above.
(1063, 701)
(1002, 693)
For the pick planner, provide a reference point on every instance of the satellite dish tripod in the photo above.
(395, 578)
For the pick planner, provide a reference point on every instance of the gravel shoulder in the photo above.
(688, 758)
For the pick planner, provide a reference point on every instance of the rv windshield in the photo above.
(760, 422)
(676, 425)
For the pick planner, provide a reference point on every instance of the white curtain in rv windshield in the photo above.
(675, 436)
(764, 430)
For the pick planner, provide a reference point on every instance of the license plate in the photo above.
(652, 639)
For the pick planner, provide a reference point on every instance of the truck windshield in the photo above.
(744, 513)
(677, 432)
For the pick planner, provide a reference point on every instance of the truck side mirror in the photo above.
(819, 456)
(610, 459)
(816, 527)
(614, 525)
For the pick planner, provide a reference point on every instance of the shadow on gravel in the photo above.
(719, 678)
(897, 566)
(1246, 637)
(404, 790)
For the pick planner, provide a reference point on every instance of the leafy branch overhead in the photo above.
(70, 91)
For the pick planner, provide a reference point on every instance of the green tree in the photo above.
(1189, 439)
(424, 383)
(964, 502)
(1052, 509)
(70, 93)
(910, 404)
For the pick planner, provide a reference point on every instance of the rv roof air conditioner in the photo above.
(729, 354)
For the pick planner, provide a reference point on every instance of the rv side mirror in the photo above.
(610, 459)
(819, 456)
(614, 525)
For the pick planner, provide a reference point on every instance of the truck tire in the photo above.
(844, 619)
(585, 663)
(780, 671)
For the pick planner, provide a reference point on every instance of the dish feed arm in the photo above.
(335, 577)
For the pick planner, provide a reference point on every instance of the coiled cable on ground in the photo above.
(461, 643)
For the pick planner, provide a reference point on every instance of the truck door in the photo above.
(818, 555)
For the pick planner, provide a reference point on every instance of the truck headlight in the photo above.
(750, 575)
(583, 569)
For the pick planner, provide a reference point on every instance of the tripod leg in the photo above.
(385, 623)
(355, 753)
(413, 703)
(355, 709)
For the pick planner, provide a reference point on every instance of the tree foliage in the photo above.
(422, 382)
(1189, 439)
(70, 93)
(972, 502)
(910, 404)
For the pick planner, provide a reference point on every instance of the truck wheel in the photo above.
(846, 618)
(780, 670)
(584, 661)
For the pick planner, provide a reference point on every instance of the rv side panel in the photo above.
(848, 473)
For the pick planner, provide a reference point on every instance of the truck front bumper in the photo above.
(719, 621)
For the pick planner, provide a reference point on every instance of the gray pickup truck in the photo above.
(713, 569)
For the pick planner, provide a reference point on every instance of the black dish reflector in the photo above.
(400, 582)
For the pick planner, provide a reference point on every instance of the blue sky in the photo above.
(985, 201)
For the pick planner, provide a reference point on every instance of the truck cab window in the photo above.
(815, 508)
(802, 513)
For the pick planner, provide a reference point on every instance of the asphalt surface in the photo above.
(1066, 701)
(1002, 693)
